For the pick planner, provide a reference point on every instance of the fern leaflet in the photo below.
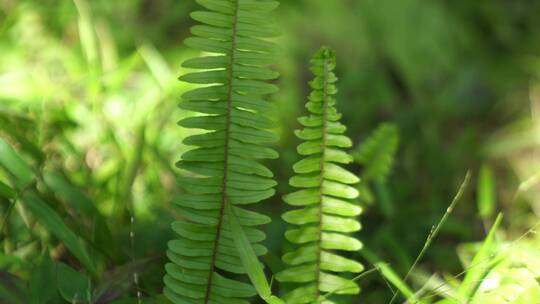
(327, 212)
(224, 167)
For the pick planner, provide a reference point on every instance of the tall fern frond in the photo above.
(224, 167)
(377, 153)
(327, 212)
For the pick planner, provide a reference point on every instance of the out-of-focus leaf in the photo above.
(15, 165)
(43, 282)
(433, 284)
(486, 194)
(53, 222)
(528, 296)
(118, 281)
(75, 198)
(86, 32)
(482, 263)
(366, 195)
(70, 194)
(74, 286)
(6, 191)
(17, 127)
(377, 153)
(12, 289)
(126, 301)
(8, 259)
(156, 300)
(384, 199)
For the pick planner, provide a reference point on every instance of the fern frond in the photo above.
(327, 213)
(377, 153)
(224, 167)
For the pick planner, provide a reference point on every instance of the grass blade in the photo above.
(15, 165)
(435, 230)
(250, 260)
(53, 222)
(475, 276)
(389, 274)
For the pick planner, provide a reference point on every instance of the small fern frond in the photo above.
(327, 213)
(224, 167)
(377, 153)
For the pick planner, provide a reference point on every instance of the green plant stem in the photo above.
(435, 230)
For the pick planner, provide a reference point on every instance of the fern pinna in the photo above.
(327, 212)
(223, 168)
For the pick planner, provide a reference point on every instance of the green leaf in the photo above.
(15, 165)
(12, 289)
(78, 201)
(390, 275)
(52, 221)
(70, 193)
(482, 263)
(336, 263)
(6, 191)
(209, 62)
(43, 282)
(249, 259)
(336, 284)
(119, 281)
(74, 286)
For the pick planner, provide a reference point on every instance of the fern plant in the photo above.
(376, 154)
(223, 168)
(327, 213)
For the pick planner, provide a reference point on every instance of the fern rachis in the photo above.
(327, 212)
(224, 166)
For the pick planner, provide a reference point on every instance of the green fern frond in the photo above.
(327, 213)
(377, 153)
(224, 167)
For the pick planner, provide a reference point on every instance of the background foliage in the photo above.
(88, 97)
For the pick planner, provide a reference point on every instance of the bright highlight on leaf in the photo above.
(327, 213)
(223, 168)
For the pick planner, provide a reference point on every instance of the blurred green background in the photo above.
(88, 96)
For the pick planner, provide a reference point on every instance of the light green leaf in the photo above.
(390, 275)
(483, 262)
